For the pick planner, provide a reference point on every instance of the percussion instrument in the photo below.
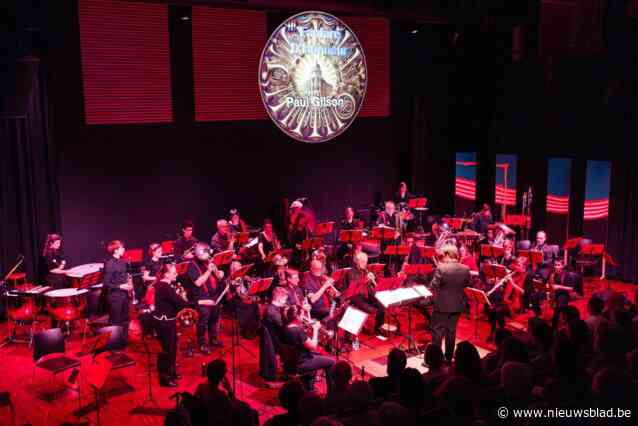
(66, 304)
(85, 275)
(21, 306)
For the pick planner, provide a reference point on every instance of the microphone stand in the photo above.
(11, 338)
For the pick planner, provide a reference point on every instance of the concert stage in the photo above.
(126, 389)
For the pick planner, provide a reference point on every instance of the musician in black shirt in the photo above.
(349, 223)
(118, 284)
(183, 245)
(482, 220)
(296, 295)
(307, 361)
(167, 304)
(299, 233)
(545, 268)
(267, 240)
(53, 262)
(272, 330)
(402, 196)
(205, 291)
(150, 269)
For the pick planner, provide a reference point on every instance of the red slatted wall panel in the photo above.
(227, 46)
(125, 62)
(374, 35)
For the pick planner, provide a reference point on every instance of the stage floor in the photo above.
(127, 389)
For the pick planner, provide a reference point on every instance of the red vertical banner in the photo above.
(227, 45)
(125, 62)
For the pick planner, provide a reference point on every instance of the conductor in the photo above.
(450, 279)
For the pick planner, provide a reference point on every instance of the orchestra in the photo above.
(306, 292)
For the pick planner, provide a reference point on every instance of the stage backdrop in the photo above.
(138, 181)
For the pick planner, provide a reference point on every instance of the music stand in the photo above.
(533, 256)
(339, 275)
(419, 204)
(479, 298)
(260, 286)
(242, 237)
(570, 244)
(351, 322)
(223, 258)
(98, 370)
(376, 269)
(352, 237)
(271, 256)
(488, 250)
(427, 252)
(384, 233)
(324, 228)
(241, 272)
(494, 272)
(418, 269)
(595, 250)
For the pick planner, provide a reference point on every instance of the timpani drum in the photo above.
(21, 306)
(67, 304)
(77, 273)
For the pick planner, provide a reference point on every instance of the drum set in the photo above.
(26, 304)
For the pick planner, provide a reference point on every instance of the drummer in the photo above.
(53, 262)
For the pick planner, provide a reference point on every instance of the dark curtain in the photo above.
(623, 219)
(28, 189)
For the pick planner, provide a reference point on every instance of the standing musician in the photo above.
(236, 223)
(222, 240)
(317, 286)
(482, 220)
(245, 307)
(117, 283)
(184, 244)
(299, 233)
(450, 279)
(167, 304)
(402, 196)
(359, 290)
(347, 224)
(545, 268)
(307, 360)
(150, 269)
(53, 262)
(268, 241)
(295, 210)
(561, 284)
(204, 277)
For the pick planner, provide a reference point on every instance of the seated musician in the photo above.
(53, 262)
(268, 240)
(296, 295)
(467, 258)
(272, 330)
(244, 306)
(545, 268)
(315, 285)
(308, 362)
(508, 256)
(222, 239)
(184, 244)
(236, 223)
(150, 269)
(402, 196)
(388, 217)
(347, 224)
(359, 291)
(562, 283)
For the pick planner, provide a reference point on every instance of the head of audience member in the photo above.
(433, 357)
(359, 396)
(611, 345)
(569, 314)
(613, 387)
(397, 362)
(568, 361)
(292, 277)
(467, 362)
(543, 336)
(457, 393)
(500, 335)
(311, 407)
(290, 394)
(517, 379)
(341, 375)
(580, 335)
(595, 306)
(392, 414)
(411, 389)
(215, 372)
(514, 349)
(541, 238)
(326, 421)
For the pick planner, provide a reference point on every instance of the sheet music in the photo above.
(422, 290)
(352, 320)
(401, 295)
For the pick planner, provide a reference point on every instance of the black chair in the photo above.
(96, 316)
(49, 352)
(524, 245)
(116, 344)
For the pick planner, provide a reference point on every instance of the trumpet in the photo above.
(180, 290)
(309, 325)
(330, 282)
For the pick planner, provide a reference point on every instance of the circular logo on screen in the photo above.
(313, 77)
